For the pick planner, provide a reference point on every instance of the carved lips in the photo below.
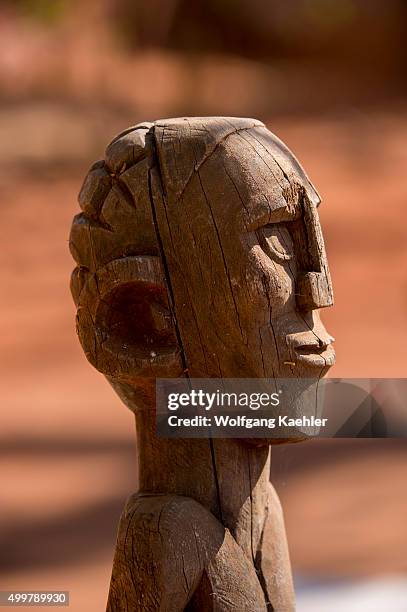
(312, 350)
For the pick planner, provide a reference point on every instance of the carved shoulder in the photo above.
(172, 554)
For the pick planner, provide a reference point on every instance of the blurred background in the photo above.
(328, 77)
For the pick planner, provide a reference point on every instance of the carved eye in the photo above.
(276, 242)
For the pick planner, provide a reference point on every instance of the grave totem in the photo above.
(200, 254)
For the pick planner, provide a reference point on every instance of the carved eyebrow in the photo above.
(268, 217)
(313, 196)
(289, 211)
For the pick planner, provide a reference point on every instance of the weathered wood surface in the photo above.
(200, 254)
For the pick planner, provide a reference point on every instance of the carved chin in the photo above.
(261, 442)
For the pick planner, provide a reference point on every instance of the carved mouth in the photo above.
(316, 353)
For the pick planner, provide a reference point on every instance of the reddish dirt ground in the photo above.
(67, 440)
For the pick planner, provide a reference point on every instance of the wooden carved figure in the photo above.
(199, 253)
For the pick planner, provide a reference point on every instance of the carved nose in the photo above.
(314, 287)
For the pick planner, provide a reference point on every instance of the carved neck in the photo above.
(229, 477)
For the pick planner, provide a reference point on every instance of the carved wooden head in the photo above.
(199, 248)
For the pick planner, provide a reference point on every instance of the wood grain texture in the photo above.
(199, 253)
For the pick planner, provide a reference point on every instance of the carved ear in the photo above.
(124, 321)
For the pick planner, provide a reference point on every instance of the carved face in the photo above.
(200, 248)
